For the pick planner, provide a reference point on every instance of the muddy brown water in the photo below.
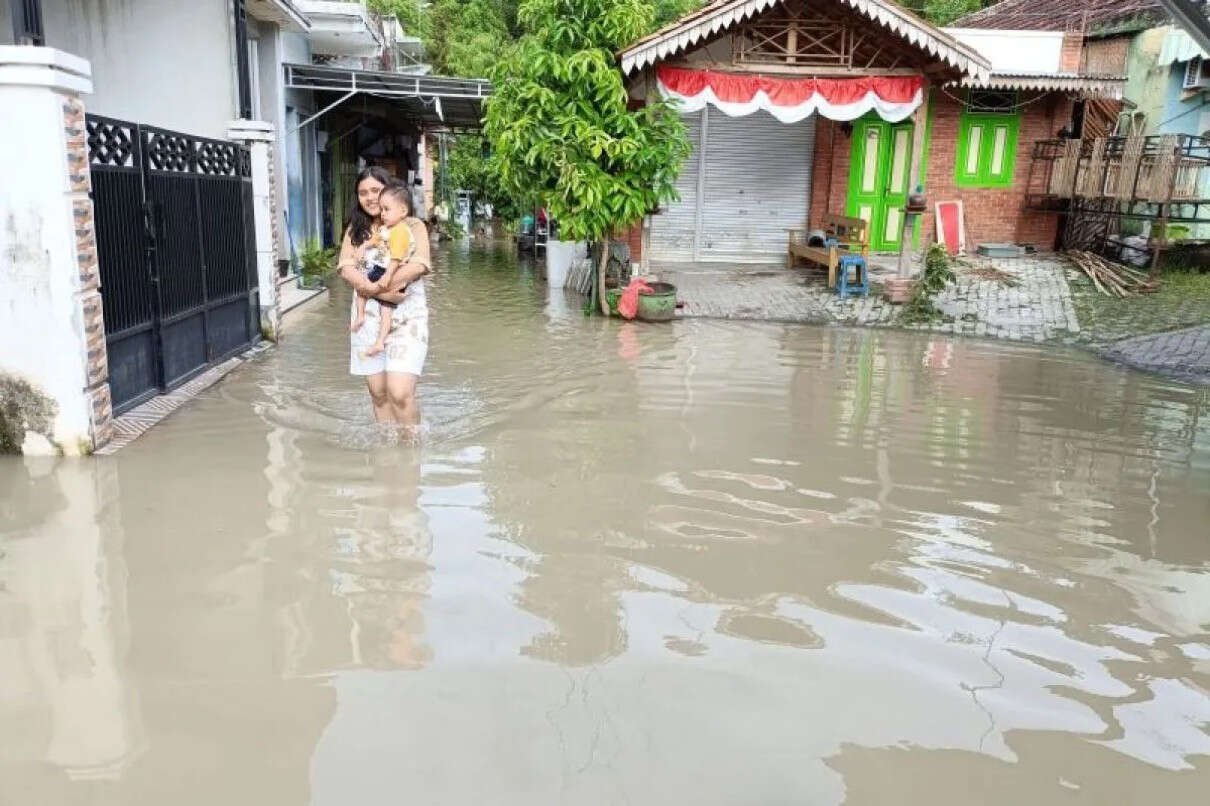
(707, 562)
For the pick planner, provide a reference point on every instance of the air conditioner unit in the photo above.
(1197, 74)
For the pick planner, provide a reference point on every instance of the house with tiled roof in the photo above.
(1101, 17)
(1135, 38)
(1166, 101)
(802, 110)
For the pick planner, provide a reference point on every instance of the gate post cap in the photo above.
(250, 131)
(26, 65)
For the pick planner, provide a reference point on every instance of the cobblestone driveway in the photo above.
(1030, 300)
(1183, 354)
(1036, 299)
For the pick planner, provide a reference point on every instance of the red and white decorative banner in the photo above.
(790, 100)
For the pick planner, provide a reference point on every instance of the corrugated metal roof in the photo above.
(434, 99)
(1178, 47)
(1073, 15)
(1095, 85)
(724, 14)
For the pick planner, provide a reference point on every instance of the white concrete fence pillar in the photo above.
(54, 377)
(258, 136)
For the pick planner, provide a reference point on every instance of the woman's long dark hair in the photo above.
(360, 223)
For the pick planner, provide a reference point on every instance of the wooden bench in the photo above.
(850, 234)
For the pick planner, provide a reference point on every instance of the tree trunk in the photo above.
(601, 276)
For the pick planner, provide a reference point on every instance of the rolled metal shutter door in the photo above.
(758, 185)
(672, 230)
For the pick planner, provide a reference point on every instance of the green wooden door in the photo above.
(878, 179)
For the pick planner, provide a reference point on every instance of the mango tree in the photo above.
(562, 129)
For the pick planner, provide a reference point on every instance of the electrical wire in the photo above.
(1013, 108)
(1205, 102)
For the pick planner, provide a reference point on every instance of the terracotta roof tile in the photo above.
(1072, 15)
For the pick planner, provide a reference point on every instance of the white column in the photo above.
(53, 360)
(258, 136)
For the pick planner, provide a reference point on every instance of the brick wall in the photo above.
(829, 170)
(634, 237)
(992, 214)
(275, 214)
(1071, 53)
(91, 312)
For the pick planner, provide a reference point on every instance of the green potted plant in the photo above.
(314, 263)
(562, 130)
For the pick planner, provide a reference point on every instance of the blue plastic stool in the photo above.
(862, 282)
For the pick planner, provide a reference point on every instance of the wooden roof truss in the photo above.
(819, 37)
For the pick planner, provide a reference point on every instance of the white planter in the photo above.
(559, 257)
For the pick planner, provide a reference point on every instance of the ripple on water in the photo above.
(871, 565)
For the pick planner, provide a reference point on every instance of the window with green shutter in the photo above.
(987, 141)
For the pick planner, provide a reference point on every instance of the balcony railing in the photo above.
(1156, 169)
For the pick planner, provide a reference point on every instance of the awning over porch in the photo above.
(885, 16)
(435, 100)
(790, 100)
(1113, 87)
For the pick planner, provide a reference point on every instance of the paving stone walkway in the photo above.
(1021, 300)
(1035, 299)
(1183, 354)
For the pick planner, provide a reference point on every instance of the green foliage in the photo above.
(467, 37)
(667, 11)
(467, 169)
(315, 262)
(406, 11)
(938, 273)
(23, 408)
(561, 133)
(945, 12)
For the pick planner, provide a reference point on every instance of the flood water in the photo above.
(701, 563)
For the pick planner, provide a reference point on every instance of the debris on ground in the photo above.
(1113, 279)
(991, 274)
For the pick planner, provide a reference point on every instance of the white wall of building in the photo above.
(300, 168)
(168, 63)
(268, 73)
(1014, 51)
(42, 332)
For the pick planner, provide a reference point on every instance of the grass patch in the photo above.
(1182, 300)
(1185, 283)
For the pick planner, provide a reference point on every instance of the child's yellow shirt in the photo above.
(399, 241)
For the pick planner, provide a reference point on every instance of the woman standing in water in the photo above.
(391, 375)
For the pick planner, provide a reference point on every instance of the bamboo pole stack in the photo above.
(1113, 279)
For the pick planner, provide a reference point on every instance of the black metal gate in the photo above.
(176, 246)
